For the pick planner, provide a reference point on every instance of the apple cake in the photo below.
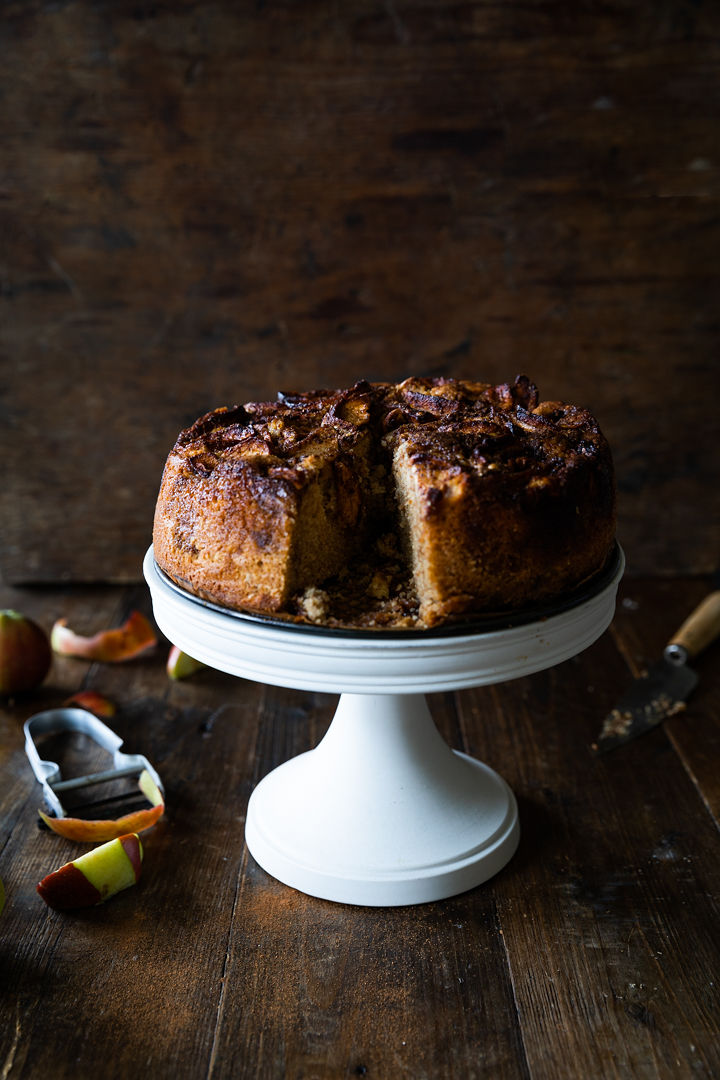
(388, 505)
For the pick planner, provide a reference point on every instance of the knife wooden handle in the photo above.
(701, 628)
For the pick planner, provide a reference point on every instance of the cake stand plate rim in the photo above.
(353, 664)
(472, 627)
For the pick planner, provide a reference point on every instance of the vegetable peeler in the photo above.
(59, 721)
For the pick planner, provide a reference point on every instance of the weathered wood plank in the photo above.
(144, 972)
(420, 992)
(594, 953)
(652, 612)
(616, 885)
(437, 189)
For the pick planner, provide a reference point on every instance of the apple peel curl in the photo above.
(100, 831)
(92, 701)
(109, 646)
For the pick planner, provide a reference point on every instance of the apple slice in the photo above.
(95, 876)
(110, 646)
(180, 665)
(98, 831)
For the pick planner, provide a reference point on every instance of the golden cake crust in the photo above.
(245, 490)
(505, 510)
(501, 501)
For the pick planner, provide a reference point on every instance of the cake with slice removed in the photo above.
(498, 502)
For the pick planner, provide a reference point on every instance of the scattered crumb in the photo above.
(315, 604)
(619, 723)
(379, 586)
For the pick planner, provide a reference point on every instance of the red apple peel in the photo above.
(109, 646)
(99, 831)
(92, 701)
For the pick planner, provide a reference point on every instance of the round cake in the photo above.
(388, 505)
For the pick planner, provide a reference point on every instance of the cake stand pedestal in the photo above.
(382, 811)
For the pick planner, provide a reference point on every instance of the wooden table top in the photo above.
(594, 953)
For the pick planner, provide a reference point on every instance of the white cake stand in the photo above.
(382, 811)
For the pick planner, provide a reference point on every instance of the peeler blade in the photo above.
(67, 720)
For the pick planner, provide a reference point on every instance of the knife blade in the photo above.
(663, 690)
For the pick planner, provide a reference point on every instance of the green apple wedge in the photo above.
(180, 665)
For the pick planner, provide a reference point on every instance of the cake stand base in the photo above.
(382, 812)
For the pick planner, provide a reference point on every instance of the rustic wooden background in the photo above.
(202, 203)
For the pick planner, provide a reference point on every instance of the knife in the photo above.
(663, 690)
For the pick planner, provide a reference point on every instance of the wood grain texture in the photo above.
(594, 953)
(202, 204)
